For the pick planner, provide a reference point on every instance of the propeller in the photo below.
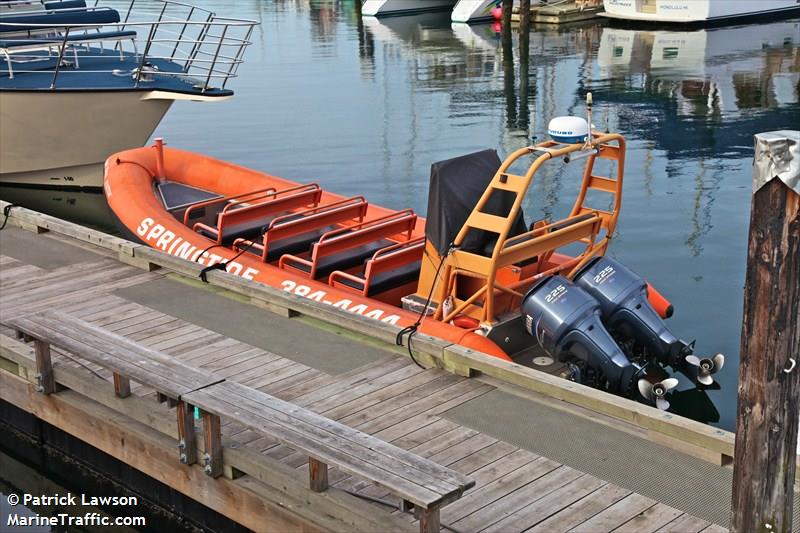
(656, 392)
(706, 367)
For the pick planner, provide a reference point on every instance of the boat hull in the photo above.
(695, 11)
(381, 8)
(129, 190)
(61, 138)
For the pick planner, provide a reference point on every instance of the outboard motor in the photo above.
(565, 320)
(623, 299)
(625, 308)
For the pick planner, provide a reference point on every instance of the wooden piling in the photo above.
(769, 378)
(524, 16)
(506, 17)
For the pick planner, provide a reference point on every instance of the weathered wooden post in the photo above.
(524, 16)
(769, 371)
(506, 18)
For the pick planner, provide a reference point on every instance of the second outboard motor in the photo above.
(565, 320)
(623, 298)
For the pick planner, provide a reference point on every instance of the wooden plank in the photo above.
(386, 393)
(497, 489)
(44, 367)
(484, 457)
(276, 388)
(162, 377)
(317, 475)
(276, 375)
(156, 362)
(582, 510)
(650, 520)
(536, 488)
(543, 508)
(326, 450)
(212, 453)
(323, 428)
(400, 401)
(640, 415)
(616, 515)
(122, 386)
(80, 295)
(685, 524)
(187, 440)
(429, 520)
(714, 528)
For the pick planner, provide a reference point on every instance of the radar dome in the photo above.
(569, 130)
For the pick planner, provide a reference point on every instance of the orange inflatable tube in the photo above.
(662, 306)
(129, 184)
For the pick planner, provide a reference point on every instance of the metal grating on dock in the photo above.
(519, 487)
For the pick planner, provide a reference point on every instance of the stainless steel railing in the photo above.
(203, 47)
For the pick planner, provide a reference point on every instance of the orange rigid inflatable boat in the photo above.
(216, 202)
(473, 274)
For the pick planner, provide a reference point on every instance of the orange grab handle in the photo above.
(662, 306)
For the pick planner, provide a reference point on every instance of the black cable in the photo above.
(222, 265)
(6, 214)
(120, 161)
(412, 329)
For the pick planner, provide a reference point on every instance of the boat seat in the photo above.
(387, 269)
(387, 280)
(346, 248)
(65, 4)
(242, 220)
(296, 232)
(95, 16)
(38, 42)
(343, 260)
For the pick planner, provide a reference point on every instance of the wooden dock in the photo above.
(261, 477)
(562, 12)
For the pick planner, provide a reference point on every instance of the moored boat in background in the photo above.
(87, 81)
(696, 11)
(382, 8)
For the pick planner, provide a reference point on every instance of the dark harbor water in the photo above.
(365, 106)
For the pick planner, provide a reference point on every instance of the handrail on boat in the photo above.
(206, 48)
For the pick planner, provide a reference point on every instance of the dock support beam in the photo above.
(769, 372)
(44, 367)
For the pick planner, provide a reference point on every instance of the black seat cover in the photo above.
(345, 259)
(389, 280)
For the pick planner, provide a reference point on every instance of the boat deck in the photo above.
(537, 467)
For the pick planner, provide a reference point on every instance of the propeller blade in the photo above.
(719, 362)
(705, 379)
(669, 384)
(646, 389)
(662, 404)
(693, 360)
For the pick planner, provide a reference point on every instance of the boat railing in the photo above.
(201, 46)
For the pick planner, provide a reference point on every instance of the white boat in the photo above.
(695, 11)
(478, 10)
(79, 83)
(380, 8)
(474, 10)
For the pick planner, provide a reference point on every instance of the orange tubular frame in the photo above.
(583, 225)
